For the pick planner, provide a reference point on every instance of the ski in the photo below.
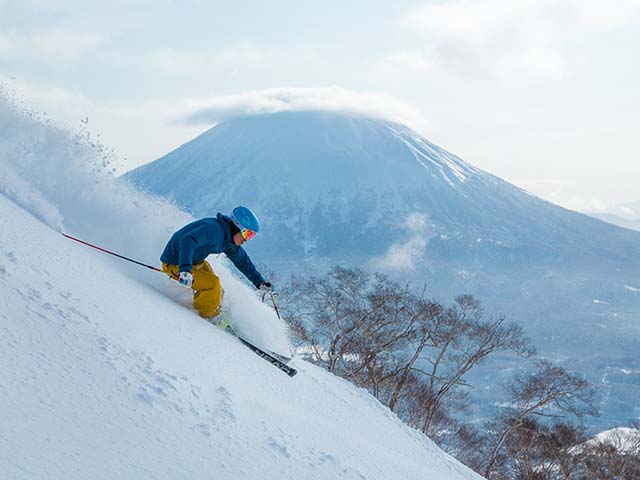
(277, 360)
(270, 358)
(282, 358)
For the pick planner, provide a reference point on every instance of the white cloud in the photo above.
(404, 255)
(215, 109)
(568, 194)
(413, 62)
(500, 39)
(600, 15)
(244, 54)
(52, 45)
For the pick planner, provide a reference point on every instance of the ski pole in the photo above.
(112, 253)
(273, 299)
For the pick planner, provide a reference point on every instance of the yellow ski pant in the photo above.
(207, 291)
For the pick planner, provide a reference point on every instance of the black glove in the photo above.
(266, 287)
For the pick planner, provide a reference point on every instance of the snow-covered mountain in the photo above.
(335, 188)
(625, 439)
(329, 184)
(108, 373)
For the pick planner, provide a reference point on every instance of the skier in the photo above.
(184, 256)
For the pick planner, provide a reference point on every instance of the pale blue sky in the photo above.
(540, 92)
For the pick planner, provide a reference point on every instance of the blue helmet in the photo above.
(243, 217)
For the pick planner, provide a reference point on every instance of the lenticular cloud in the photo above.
(332, 99)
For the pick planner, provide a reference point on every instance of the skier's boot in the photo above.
(221, 321)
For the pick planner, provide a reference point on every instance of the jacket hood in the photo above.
(225, 221)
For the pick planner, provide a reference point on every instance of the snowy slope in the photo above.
(105, 377)
(108, 373)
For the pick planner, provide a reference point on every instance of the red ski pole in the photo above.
(112, 253)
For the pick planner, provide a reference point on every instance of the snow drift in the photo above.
(106, 375)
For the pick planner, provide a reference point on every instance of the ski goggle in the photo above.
(247, 234)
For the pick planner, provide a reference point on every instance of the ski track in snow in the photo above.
(108, 373)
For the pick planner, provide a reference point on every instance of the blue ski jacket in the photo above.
(195, 241)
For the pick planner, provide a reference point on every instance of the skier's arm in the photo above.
(188, 243)
(243, 263)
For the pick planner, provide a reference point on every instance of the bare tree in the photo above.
(328, 313)
(414, 354)
(559, 451)
(537, 450)
(460, 340)
(410, 352)
(396, 316)
(549, 391)
(615, 458)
